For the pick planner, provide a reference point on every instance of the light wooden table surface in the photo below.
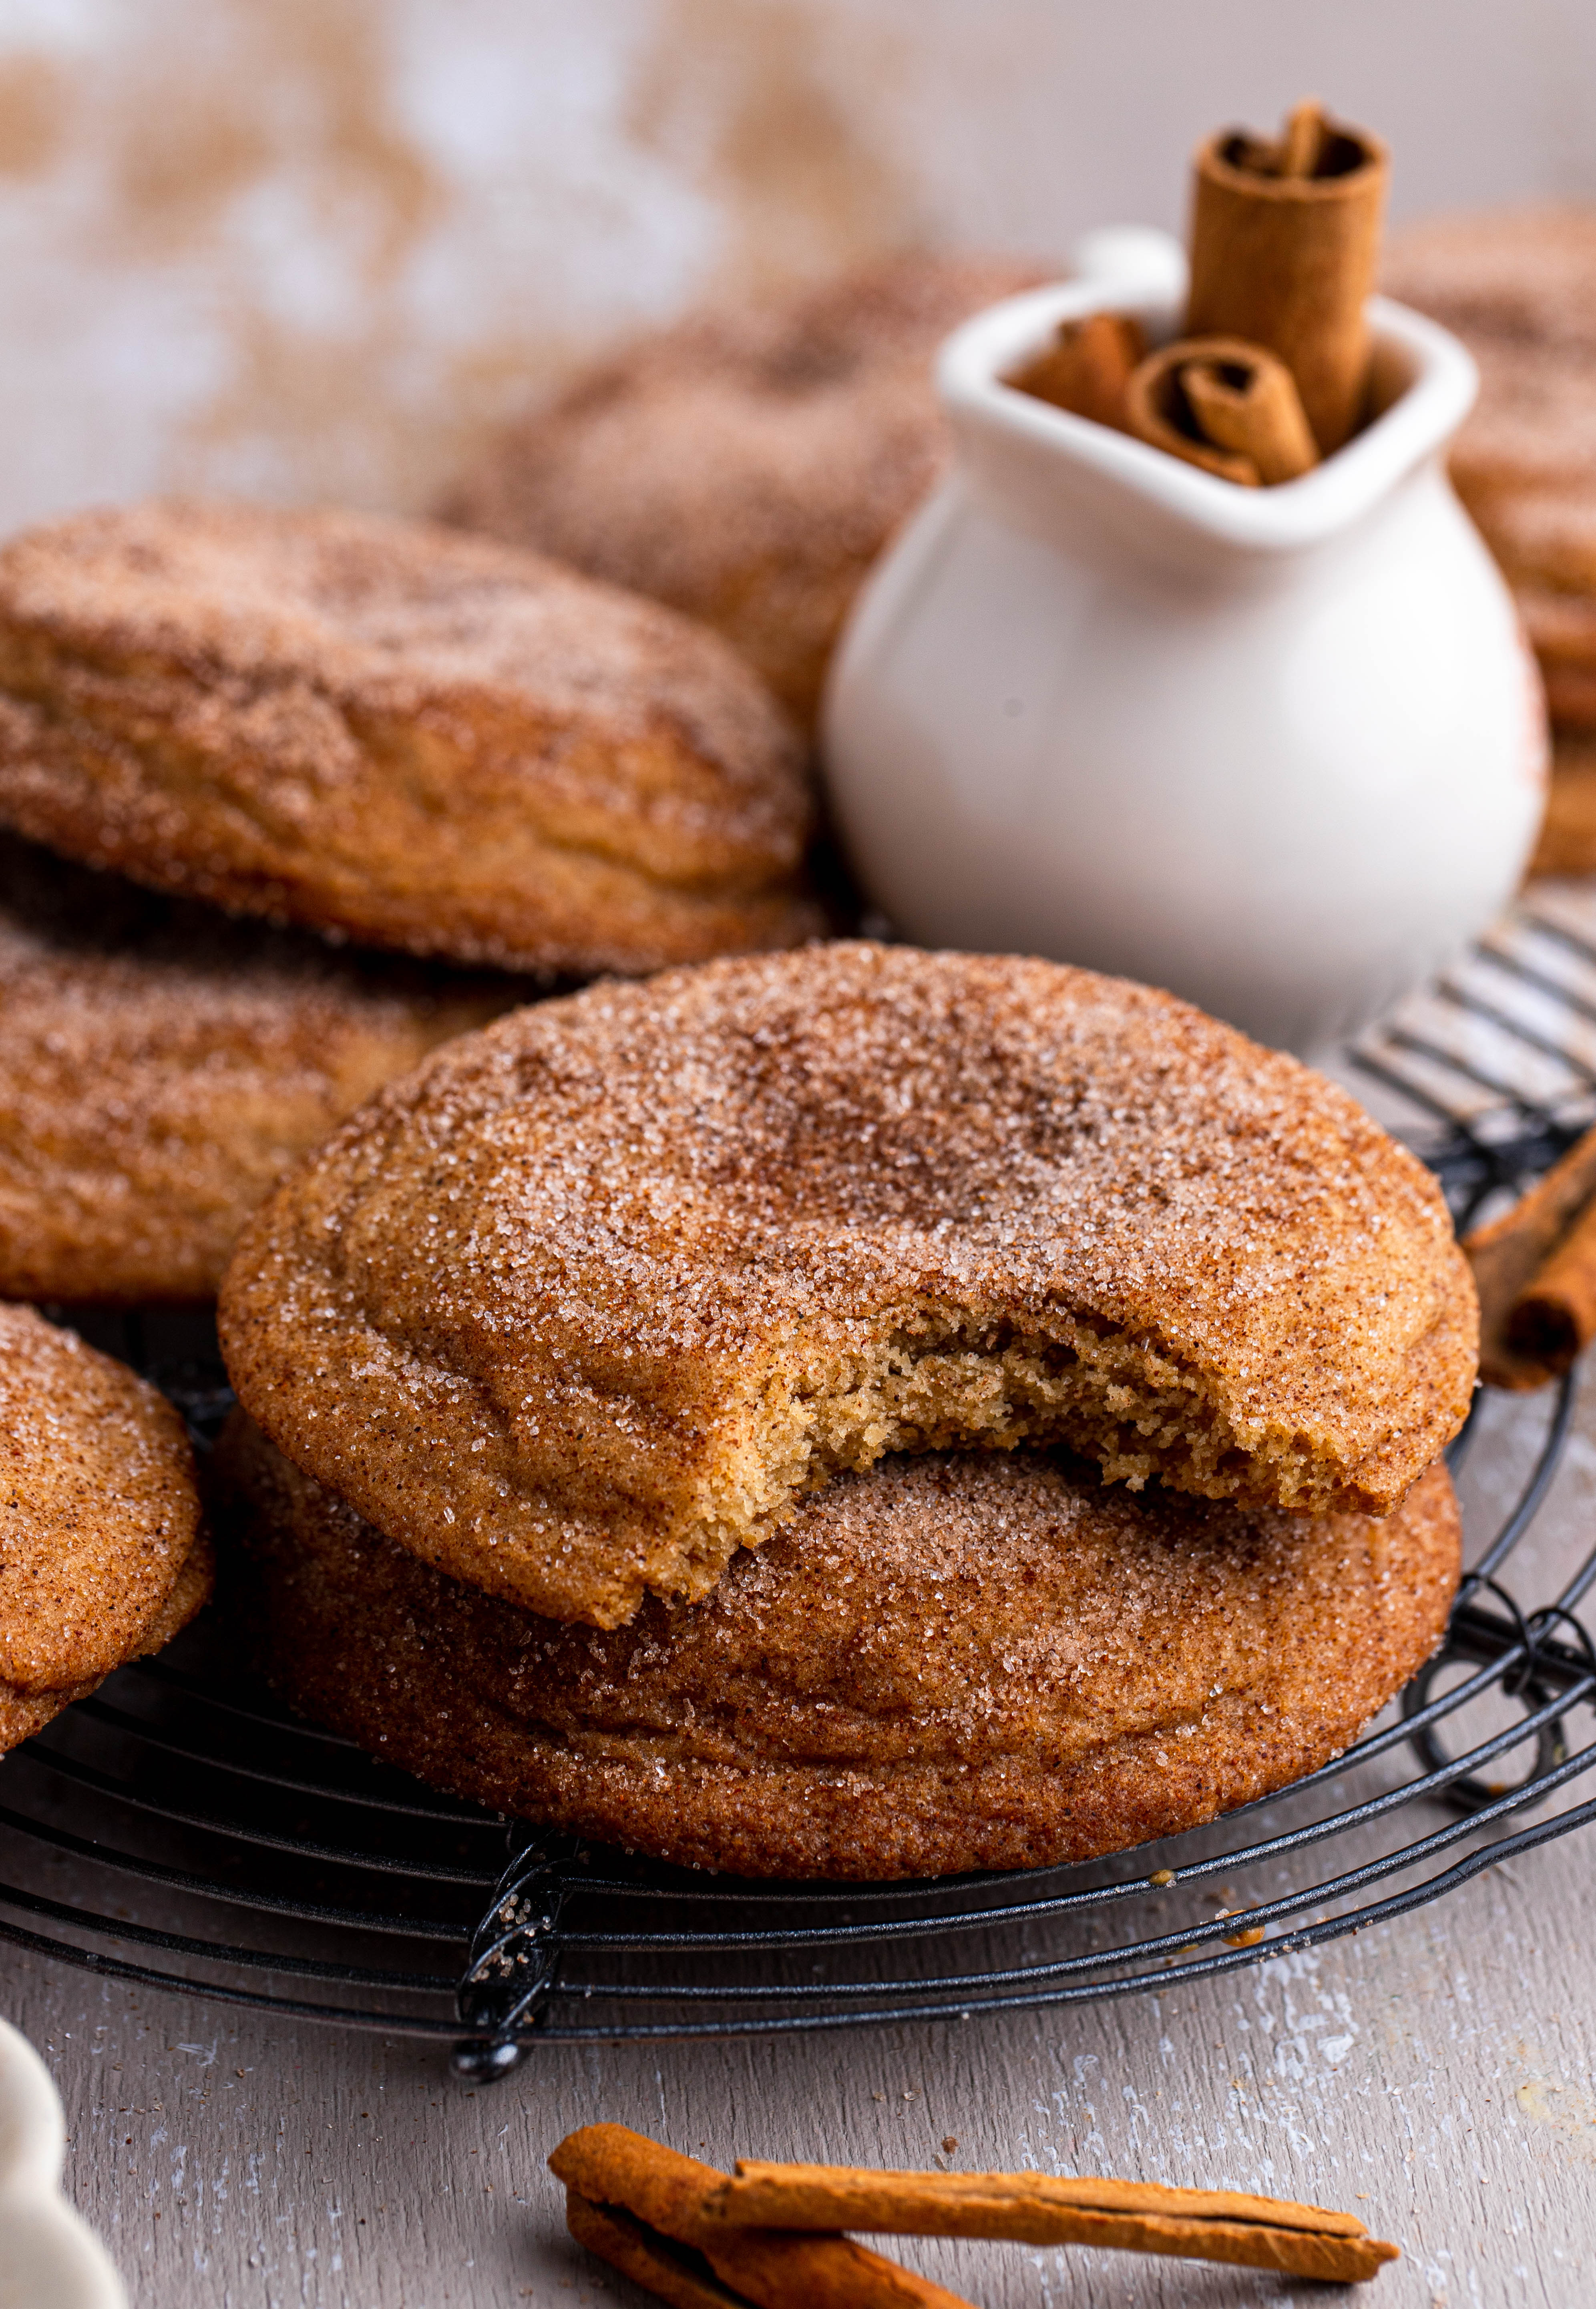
(1437, 2075)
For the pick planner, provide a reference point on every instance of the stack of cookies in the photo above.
(855, 1413)
(290, 798)
(1519, 287)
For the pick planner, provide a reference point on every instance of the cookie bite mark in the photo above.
(926, 1378)
(598, 1295)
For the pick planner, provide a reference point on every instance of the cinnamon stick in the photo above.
(1284, 241)
(1229, 407)
(1508, 1257)
(608, 2167)
(674, 2272)
(1302, 140)
(1034, 2209)
(1087, 367)
(1244, 399)
(1555, 1316)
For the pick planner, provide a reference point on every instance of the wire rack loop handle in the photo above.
(512, 1968)
(1475, 1640)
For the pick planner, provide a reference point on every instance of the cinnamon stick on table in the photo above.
(1284, 241)
(674, 2272)
(771, 2237)
(1229, 407)
(1530, 1337)
(1087, 367)
(1034, 2209)
(1556, 1316)
(625, 2194)
(1535, 1270)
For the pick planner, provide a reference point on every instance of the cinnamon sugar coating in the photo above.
(1545, 537)
(980, 1661)
(591, 1298)
(1562, 631)
(749, 464)
(100, 1560)
(1568, 844)
(1525, 273)
(1519, 286)
(386, 730)
(162, 1068)
(24, 1713)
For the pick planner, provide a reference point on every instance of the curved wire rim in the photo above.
(954, 1994)
(959, 2007)
(587, 1881)
(1444, 1774)
(1262, 1914)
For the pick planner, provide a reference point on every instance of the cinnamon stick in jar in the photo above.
(1229, 407)
(1086, 367)
(1284, 239)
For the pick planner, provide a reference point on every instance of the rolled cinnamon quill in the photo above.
(674, 2272)
(1035, 2208)
(627, 2194)
(1284, 241)
(1555, 1319)
(1087, 367)
(1229, 407)
(1537, 1306)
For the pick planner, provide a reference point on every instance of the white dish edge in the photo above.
(52, 2259)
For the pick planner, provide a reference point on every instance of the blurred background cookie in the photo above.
(162, 1066)
(1519, 286)
(100, 1556)
(587, 1302)
(748, 464)
(389, 731)
(980, 1661)
(1568, 844)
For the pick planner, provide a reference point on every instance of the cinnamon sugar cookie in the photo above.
(163, 1067)
(1568, 844)
(1533, 428)
(587, 1301)
(1562, 632)
(1544, 535)
(986, 1661)
(100, 1557)
(1519, 286)
(1526, 273)
(749, 465)
(386, 730)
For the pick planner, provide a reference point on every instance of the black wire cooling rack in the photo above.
(179, 1829)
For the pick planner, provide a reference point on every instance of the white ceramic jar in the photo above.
(1282, 752)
